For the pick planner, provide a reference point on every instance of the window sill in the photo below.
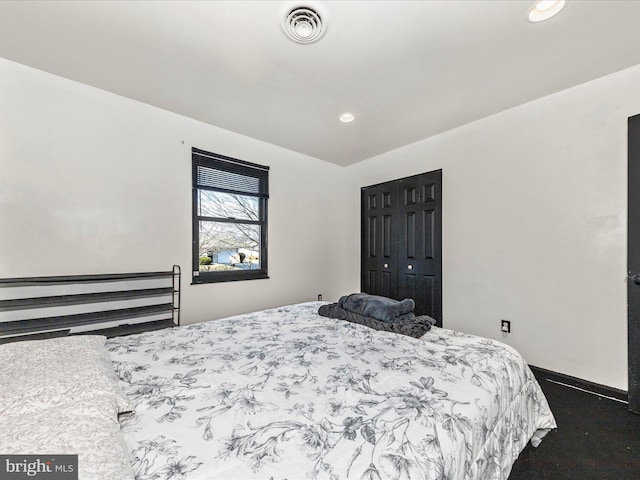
(228, 277)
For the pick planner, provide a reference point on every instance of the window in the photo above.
(229, 218)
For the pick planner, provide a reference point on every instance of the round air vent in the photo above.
(304, 22)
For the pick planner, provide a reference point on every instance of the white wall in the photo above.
(534, 210)
(534, 224)
(91, 182)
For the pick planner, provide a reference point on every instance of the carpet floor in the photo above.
(597, 439)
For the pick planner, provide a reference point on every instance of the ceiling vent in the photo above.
(304, 21)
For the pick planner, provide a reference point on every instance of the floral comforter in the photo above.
(288, 394)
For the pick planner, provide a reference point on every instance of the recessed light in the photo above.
(347, 117)
(545, 9)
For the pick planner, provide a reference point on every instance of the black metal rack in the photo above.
(42, 307)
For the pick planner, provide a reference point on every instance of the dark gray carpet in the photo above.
(596, 439)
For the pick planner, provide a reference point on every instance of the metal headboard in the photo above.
(105, 304)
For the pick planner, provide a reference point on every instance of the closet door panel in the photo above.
(379, 250)
(420, 249)
(372, 237)
(387, 236)
(430, 201)
(428, 234)
(410, 237)
(388, 287)
(428, 296)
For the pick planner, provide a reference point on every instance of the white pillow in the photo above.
(86, 427)
(38, 374)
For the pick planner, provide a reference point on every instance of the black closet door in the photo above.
(379, 253)
(401, 254)
(420, 243)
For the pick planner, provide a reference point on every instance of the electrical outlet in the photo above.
(319, 297)
(506, 326)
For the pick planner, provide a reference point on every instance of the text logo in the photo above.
(38, 467)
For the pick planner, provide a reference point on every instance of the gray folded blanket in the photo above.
(374, 306)
(409, 324)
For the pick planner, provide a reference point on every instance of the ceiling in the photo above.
(407, 69)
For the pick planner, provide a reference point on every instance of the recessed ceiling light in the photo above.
(545, 9)
(347, 117)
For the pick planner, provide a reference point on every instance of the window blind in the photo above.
(229, 175)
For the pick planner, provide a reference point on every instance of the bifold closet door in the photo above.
(420, 243)
(401, 251)
(379, 252)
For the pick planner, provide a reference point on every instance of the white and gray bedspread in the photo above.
(288, 394)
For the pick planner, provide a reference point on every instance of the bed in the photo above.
(288, 394)
(278, 394)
